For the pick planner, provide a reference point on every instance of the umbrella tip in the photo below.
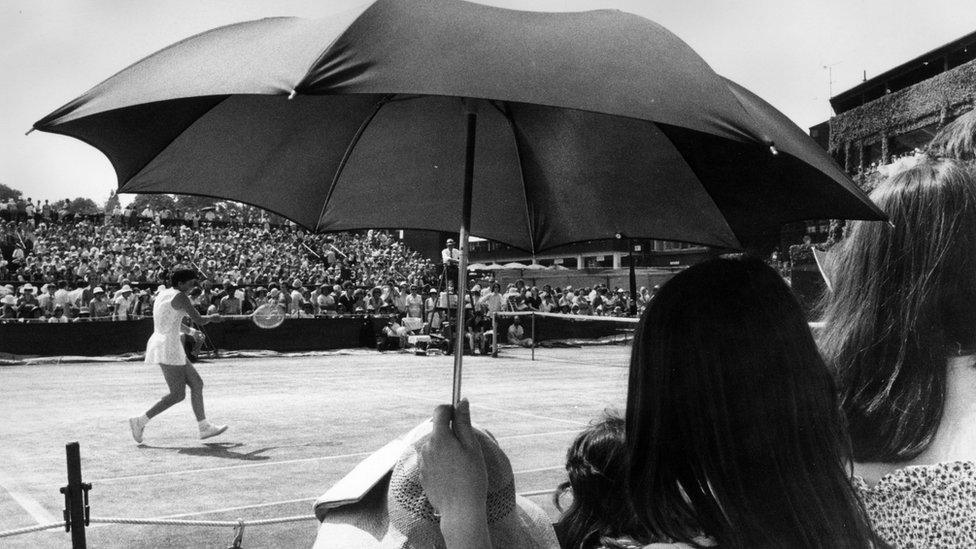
(292, 94)
(28, 132)
(773, 149)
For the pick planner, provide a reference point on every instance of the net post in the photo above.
(533, 335)
(75, 496)
(494, 334)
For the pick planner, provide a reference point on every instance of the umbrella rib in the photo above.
(525, 192)
(348, 152)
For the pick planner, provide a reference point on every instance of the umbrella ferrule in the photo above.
(292, 94)
(773, 149)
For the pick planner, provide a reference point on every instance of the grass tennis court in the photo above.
(297, 425)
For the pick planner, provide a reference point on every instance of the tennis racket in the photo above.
(268, 316)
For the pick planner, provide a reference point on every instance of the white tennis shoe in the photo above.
(137, 425)
(211, 430)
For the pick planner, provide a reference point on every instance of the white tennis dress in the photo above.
(165, 345)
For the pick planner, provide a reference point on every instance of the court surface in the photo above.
(297, 425)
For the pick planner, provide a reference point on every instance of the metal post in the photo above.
(75, 498)
(533, 335)
(462, 286)
(633, 279)
(494, 335)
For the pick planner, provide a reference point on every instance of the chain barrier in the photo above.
(31, 529)
(77, 512)
(220, 523)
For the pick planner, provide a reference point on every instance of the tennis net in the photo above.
(551, 330)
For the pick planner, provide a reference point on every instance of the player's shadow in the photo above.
(218, 450)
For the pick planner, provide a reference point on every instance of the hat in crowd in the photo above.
(9, 300)
(433, 291)
(450, 241)
(27, 288)
(476, 288)
(98, 290)
(296, 283)
(125, 288)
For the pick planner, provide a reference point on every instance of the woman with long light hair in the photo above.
(900, 331)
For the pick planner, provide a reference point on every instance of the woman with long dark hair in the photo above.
(733, 427)
(734, 435)
(900, 330)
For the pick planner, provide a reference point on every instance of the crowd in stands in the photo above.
(57, 266)
(73, 259)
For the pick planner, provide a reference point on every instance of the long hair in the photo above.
(733, 426)
(957, 139)
(596, 467)
(904, 299)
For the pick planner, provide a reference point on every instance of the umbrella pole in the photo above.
(462, 284)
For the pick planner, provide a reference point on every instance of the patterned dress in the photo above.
(925, 506)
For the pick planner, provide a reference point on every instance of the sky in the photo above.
(54, 50)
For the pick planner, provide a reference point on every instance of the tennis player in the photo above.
(166, 349)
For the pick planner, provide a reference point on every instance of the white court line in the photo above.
(533, 435)
(27, 503)
(288, 461)
(540, 469)
(248, 466)
(489, 408)
(537, 492)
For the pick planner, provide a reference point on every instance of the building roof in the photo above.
(911, 72)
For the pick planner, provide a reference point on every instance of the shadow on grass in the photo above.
(216, 449)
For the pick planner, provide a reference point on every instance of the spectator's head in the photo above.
(450, 243)
(733, 427)
(183, 279)
(902, 301)
(596, 467)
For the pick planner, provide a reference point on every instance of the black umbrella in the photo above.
(556, 127)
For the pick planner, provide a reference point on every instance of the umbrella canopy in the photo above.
(588, 124)
(477, 267)
(513, 265)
